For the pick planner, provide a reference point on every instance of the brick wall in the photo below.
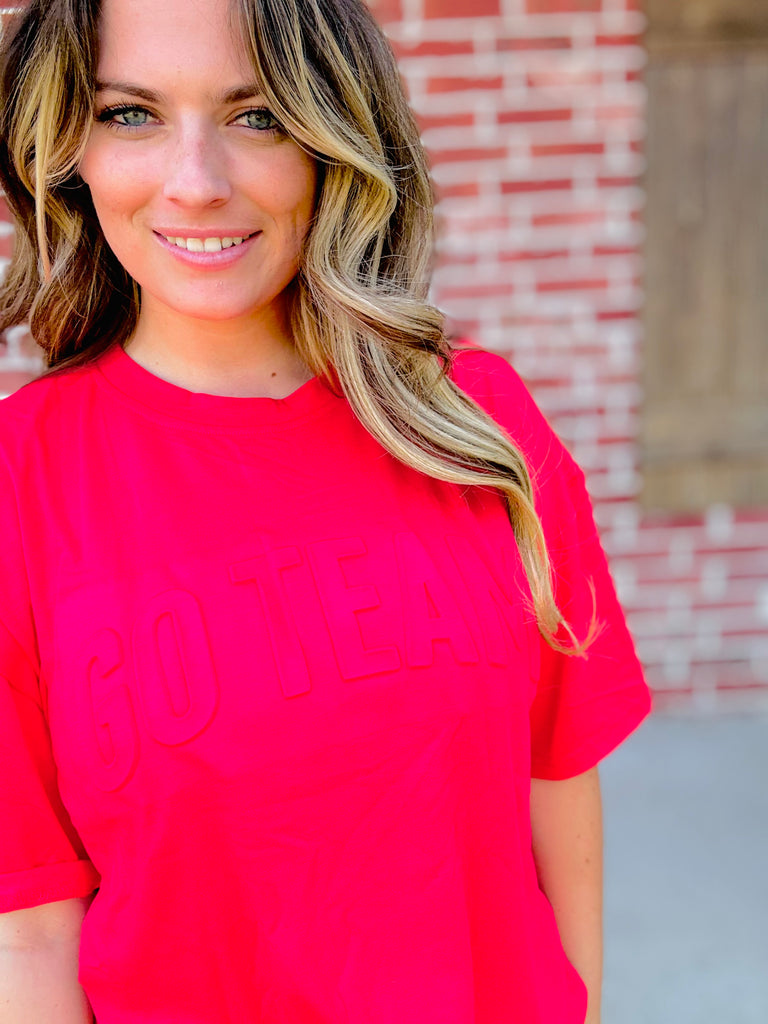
(533, 112)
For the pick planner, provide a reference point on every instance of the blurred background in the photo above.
(602, 173)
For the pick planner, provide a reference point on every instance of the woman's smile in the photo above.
(206, 243)
(209, 251)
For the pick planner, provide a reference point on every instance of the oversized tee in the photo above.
(279, 699)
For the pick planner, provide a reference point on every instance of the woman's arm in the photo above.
(567, 825)
(38, 965)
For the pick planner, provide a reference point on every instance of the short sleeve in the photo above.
(41, 856)
(584, 706)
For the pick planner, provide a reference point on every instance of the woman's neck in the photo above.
(243, 359)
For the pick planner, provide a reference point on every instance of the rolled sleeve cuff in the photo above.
(597, 745)
(47, 884)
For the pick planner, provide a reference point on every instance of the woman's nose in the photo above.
(196, 171)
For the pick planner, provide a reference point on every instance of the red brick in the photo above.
(572, 217)
(586, 284)
(568, 149)
(6, 246)
(462, 330)
(436, 48)
(517, 255)
(614, 250)
(444, 156)
(512, 187)
(458, 259)
(552, 78)
(463, 120)
(623, 181)
(501, 289)
(465, 188)
(537, 43)
(624, 40)
(493, 82)
(618, 113)
(556, 6)
(387, 10)
(479, 223)
(461, 8)
(532, 116)
(749, 688)
(617, 314)
(751, 515)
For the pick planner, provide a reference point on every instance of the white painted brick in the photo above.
(676, 664)
(708, 644)
(625, 579)
(622, 268)
(662, 539)
(719, 523)
(759, 661)
(523, 26)
(413, 13)
(714, 577)
(647, 597)
(582, 99)
(12, 357)
(454, 65)
(705, 696)
(660, 649)
(624, 524)
(512, 8)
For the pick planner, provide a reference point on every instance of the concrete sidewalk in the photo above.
(686, 832)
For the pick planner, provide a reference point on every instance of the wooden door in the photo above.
(705, 416)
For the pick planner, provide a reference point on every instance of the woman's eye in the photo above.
(135, 117)
(260, 119)
(125, 116)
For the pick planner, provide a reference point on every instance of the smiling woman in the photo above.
(308, 647)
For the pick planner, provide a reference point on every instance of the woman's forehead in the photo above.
(149, 35)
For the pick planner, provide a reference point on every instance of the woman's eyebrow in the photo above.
(132, 90)
(240, 92)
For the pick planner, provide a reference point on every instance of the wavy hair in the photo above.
(360, 313)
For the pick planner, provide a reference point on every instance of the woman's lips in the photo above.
(208, 250)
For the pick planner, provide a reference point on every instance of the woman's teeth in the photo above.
(204, 244)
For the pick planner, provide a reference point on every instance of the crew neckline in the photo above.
(153, 394)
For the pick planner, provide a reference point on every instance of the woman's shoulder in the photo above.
(38, 410)
(498, 388)
(482, 373)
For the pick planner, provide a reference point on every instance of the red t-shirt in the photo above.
(280, 698)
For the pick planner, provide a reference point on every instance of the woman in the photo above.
(284, 679)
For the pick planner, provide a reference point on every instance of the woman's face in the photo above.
(200, 195)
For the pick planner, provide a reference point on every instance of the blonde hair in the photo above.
(360, 313)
